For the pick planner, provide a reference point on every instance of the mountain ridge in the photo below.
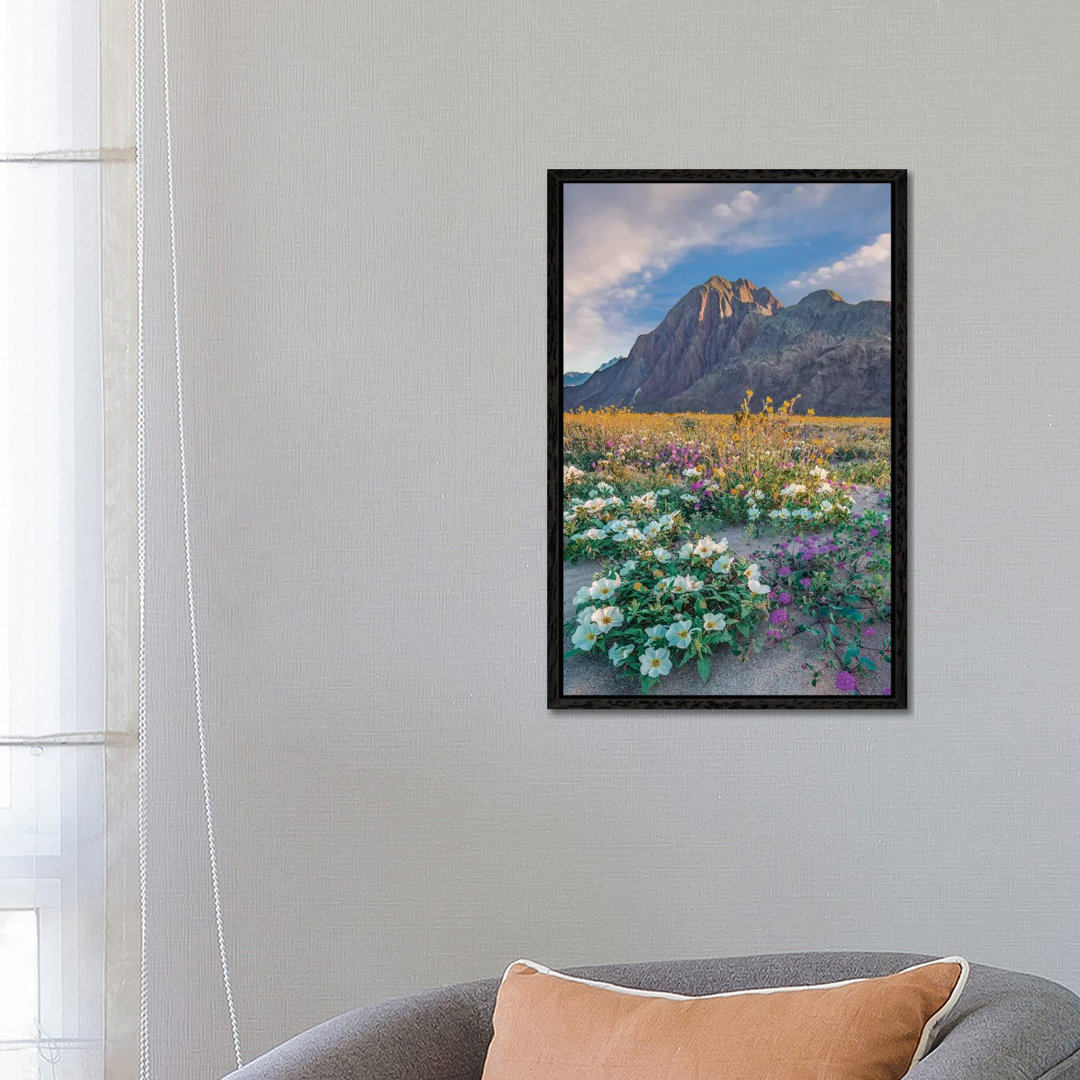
(723, 337)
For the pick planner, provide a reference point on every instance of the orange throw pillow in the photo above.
(550, 1026)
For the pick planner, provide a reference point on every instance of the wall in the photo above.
(362, 251)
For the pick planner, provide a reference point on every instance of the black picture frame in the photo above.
(898, 698)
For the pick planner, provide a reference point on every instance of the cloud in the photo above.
(865, 274)
(620, 239)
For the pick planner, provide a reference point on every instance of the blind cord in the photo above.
(140, 199)
(140, 455)
(211, 847)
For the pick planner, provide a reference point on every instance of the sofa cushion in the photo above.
(552, 1026)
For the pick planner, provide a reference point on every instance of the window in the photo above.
(52, 564)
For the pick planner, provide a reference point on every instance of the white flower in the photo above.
(594, 534)
(607, 618)
(753, 513)
(826, 506)
(711, 623)
(594, 506)
(774, 513)
(643, 502)
(604, 486)
(656, 633)
(571, 474)
(618, 654)
(824, 489)
(661, 554)
(691, 472)
(663, 584)
(603, 588)
(689, 498)
(705, 547)
(693, 584)
(652, 529)
(817, 470)
(686, 551)
(793, 489)
(757, 588)
(655, 662)
(635, 534)
(678, 633)
(723, 564)
(582, 595)
(585, 637)
(628, 567)
(664, 491)
(678, 585)
(752, 571)
(585, 614)
(759, 495)
(593, 493)
(666, 520)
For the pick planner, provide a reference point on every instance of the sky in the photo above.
(631, 250)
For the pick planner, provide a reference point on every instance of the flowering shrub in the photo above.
(837, 588)
(620, 536)
(604, 523)
(664, 608)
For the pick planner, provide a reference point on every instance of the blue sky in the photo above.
(632, 250)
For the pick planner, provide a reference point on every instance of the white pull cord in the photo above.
(140, 454)
(207, 804)
(140, 198)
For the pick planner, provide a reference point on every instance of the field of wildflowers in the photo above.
(653, 498)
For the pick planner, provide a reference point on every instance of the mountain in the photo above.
(724, 337)
(576, 378)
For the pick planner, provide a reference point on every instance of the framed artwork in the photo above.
(727, 364)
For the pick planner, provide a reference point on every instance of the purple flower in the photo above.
(805, 582)
(887, 692)
(785, 598)
(869, 631)
(841, 566)
(778, 616)
(773, 634)
(845, 681)
(784, 571)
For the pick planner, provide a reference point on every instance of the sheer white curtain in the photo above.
(59, 245)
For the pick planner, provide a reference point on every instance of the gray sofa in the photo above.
(1006, 1026)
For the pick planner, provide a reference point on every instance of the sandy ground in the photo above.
(777, 669)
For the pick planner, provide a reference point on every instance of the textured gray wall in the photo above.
(362, 216)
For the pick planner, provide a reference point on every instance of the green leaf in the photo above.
(647, 683)
(868, 665)
(703, 666)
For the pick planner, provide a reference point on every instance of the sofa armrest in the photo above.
(441, 1034)
(1007, 1026)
